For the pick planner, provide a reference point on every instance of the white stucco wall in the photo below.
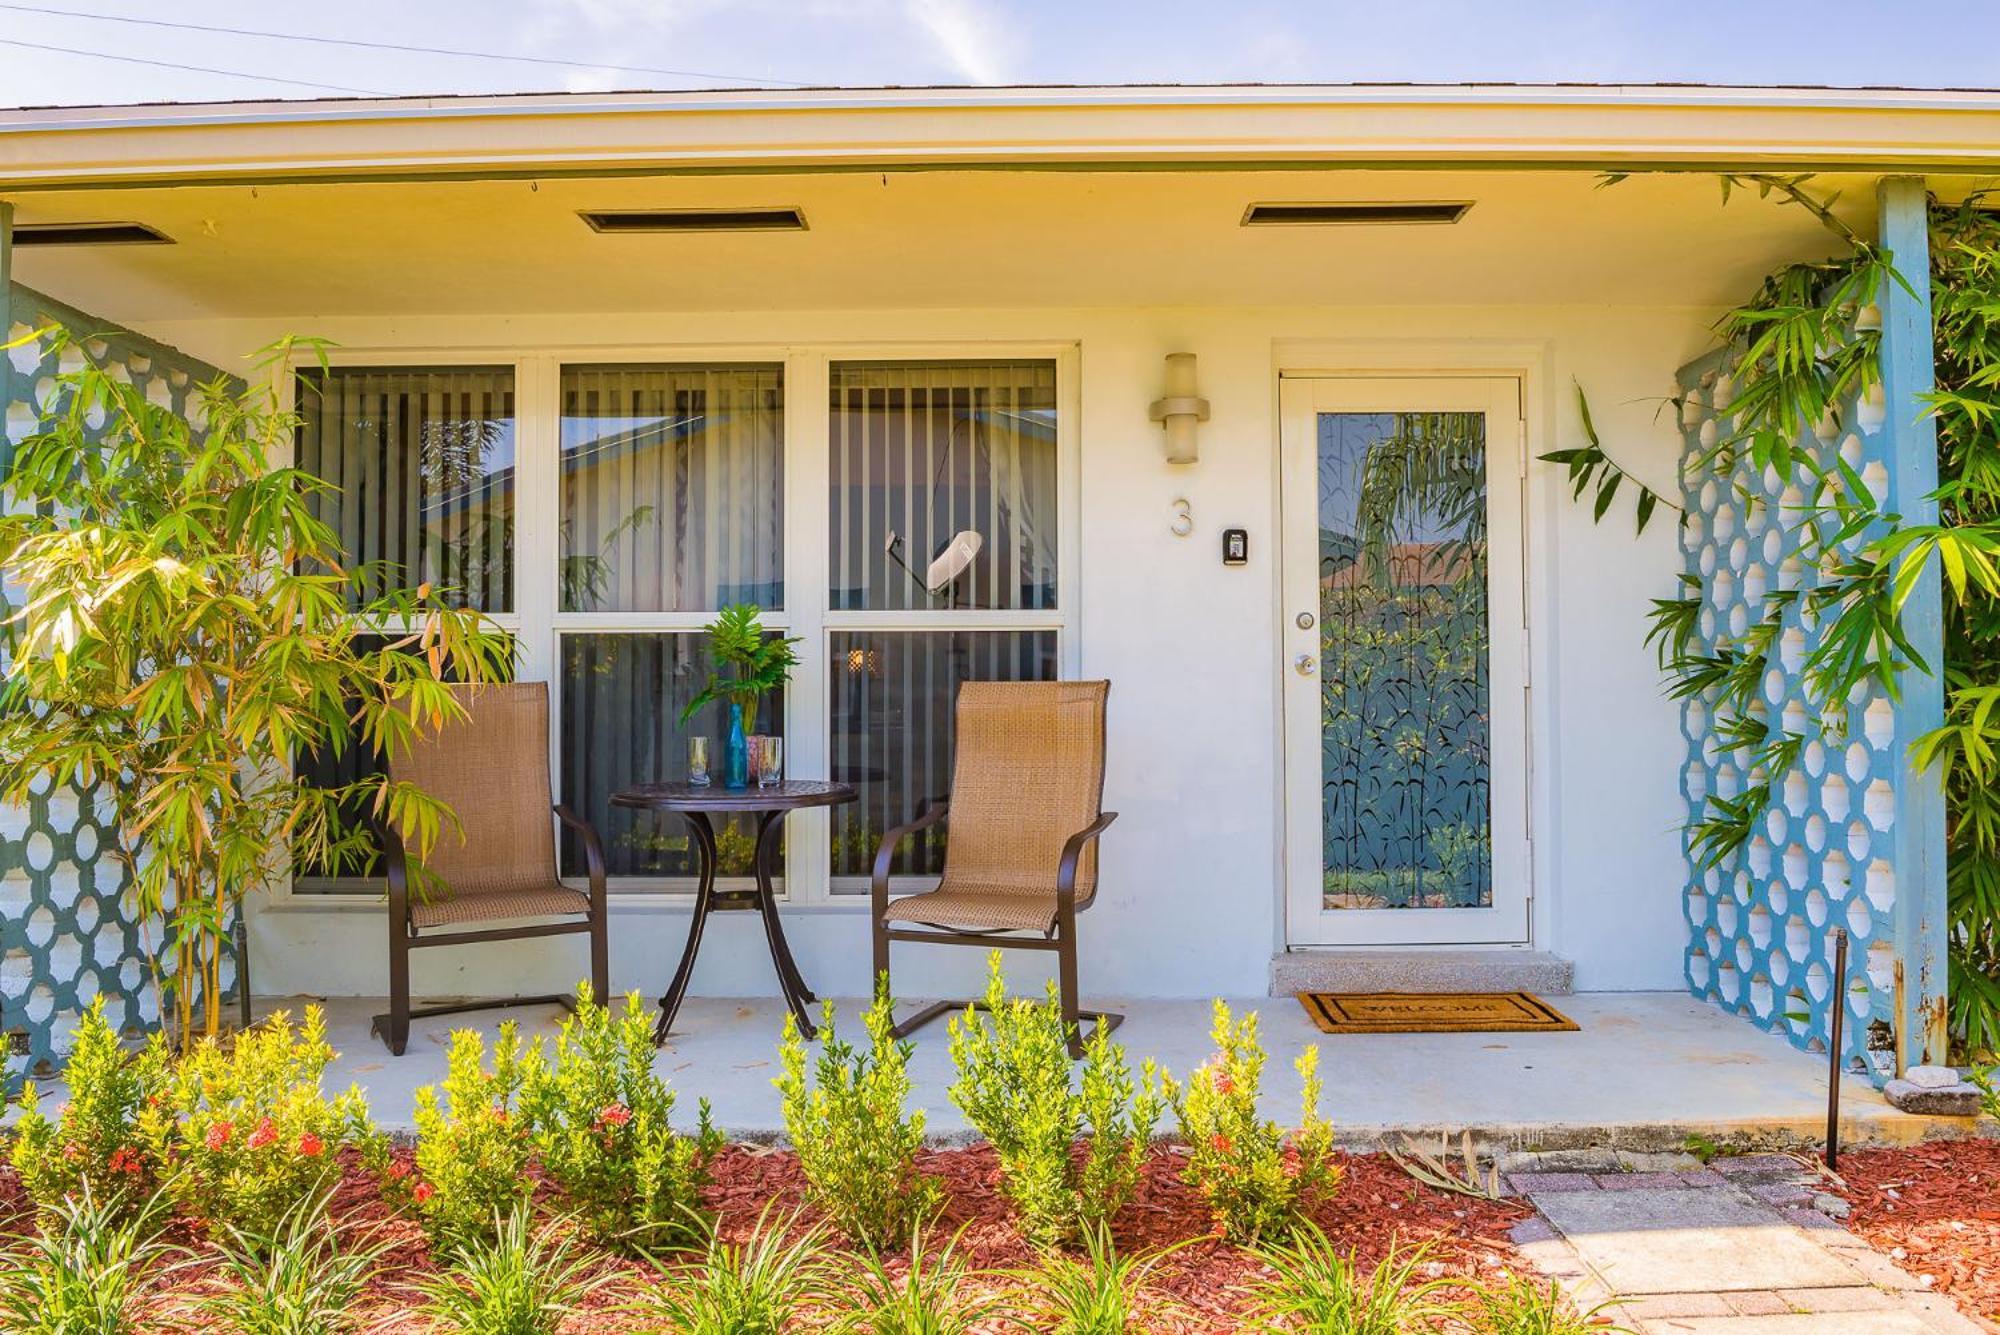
(1190, 903)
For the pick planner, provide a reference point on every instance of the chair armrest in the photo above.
(593, 851)
(396, 871)
(1073, 851)
(885, 853)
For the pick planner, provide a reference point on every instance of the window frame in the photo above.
(538, 622)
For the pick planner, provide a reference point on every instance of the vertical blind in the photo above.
(672, 487)
(924, 451)
(422, 466)
(890, 717)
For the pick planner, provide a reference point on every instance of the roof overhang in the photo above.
(1258, 127)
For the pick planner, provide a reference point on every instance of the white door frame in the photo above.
(1501, 398)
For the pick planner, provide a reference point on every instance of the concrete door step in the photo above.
(1385, 969)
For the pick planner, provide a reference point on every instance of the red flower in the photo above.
(423, 1193)
(125, 1159)
(399, 1170)
(72, 1151)
(265, 1134)
(1221, 1144)
(614, 1114)
(310, 1145)
(218, 1135)
(1223, 1084)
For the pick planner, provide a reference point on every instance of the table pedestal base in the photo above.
(762, 898)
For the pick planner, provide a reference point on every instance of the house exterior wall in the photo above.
(1190, 902)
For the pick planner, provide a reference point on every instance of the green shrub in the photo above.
(295, 1280)
(514, 1282)
(234, 1136)
(1014, 1086)
(79, 1273)
(244, 1134)
(1235, 1160)
(1988, 1082)
(856, 1145)
(601, 1122)
(92, 1145)
(472, 1151)
(1523, 1307)
(1317, 1291)
(759, 1288)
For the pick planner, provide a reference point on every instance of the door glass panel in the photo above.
(1404, 639)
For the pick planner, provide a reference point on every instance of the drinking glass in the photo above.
(770, 761)
(698, 761)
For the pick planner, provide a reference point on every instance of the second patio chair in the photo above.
(1024, 815)
(492, 769)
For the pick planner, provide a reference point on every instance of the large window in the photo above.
(653, 491)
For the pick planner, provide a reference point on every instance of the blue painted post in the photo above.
(1921, 907)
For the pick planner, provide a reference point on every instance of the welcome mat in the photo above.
(1433, 1013)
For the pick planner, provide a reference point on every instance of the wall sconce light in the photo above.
(1180, 409)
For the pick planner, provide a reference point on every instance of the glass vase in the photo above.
(736, 752)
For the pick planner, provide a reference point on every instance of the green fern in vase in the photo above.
(745, 662)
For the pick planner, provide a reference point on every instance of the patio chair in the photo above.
(492, 769)
(1024, 815)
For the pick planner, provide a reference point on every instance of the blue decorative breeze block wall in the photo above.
(1759, 939)
(67, 931)
(1854, 838)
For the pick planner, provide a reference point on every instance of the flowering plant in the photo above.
(1238, 1162)
(91, 1146)
(601, 1121)
(242, 1135)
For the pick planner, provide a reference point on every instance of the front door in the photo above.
(1406, 763)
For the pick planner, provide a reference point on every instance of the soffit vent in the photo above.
(1345, 213)
(695, 220)
(89, 234)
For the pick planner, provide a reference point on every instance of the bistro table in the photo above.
(769, 803)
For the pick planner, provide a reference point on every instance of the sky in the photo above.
(69, 52)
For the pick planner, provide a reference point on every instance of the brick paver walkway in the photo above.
(1742, 1247)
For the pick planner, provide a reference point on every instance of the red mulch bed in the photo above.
(1935, 1209)
(1201, 1287)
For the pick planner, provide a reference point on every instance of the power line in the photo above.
(394, 46)
(191, 69)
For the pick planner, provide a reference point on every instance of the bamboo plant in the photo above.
(183, 627)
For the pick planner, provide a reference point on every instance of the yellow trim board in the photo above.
(1433, 1013)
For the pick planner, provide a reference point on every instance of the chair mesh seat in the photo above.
(488, 905)
(978, 907)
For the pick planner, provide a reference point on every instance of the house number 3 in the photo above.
(1182, 523)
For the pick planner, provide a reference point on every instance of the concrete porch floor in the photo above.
(1643, 1071)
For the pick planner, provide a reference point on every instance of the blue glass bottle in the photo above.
(736, 752)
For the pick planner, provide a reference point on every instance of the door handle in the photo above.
(1307, 664)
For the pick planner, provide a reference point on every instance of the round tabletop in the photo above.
(790, 795)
